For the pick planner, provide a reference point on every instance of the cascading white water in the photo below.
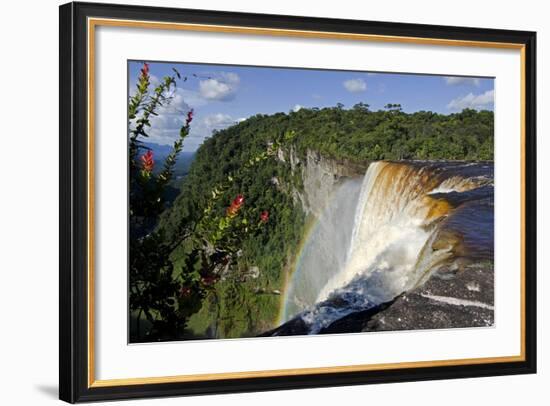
(388, 245)
(392, 224)
(384, 245)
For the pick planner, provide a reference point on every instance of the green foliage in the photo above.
(166, 289)
(243, 163)
(359, 134)
(164, 294)
(160, 300)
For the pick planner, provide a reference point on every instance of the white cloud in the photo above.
(203, 128)
(355, 85)
(223, 87)
(171, 117)
(297, 107)
(473, 101)
(192, 97)
(213, 89)
(230, 77)
(459, 80)
(218, 121)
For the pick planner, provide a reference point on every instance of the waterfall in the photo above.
(376, 243)
(392, 224)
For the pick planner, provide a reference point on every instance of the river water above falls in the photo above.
(386, 233)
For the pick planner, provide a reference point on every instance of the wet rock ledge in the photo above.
(453, 297)
(449, 299)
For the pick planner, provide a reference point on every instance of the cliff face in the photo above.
(319, 175)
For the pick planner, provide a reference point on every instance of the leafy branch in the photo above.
(163, 295)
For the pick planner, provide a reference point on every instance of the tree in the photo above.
(363, 107)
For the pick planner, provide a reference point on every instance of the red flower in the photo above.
(147, 161)
(235, 206)
(209, 280)
(264, 216)
(239, 200)
(189, 117)
(185, 291)
(145, 69)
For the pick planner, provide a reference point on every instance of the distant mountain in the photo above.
(161, 152)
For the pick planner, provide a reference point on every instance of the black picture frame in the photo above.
(74, 384)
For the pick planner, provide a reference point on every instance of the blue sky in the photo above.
(222, 95)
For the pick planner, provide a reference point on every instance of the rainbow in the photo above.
(312, 223)
(331, 209)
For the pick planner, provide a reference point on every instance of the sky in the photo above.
(222, 95)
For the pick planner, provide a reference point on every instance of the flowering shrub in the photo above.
(147, 163)
(235, 206)
(163, 295)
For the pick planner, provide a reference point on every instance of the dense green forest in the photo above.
(245, 301)
(359, 134)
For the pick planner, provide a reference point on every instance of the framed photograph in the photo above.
(255, 202)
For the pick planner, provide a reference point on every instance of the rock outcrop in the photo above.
(449, 299)
(320, 176)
